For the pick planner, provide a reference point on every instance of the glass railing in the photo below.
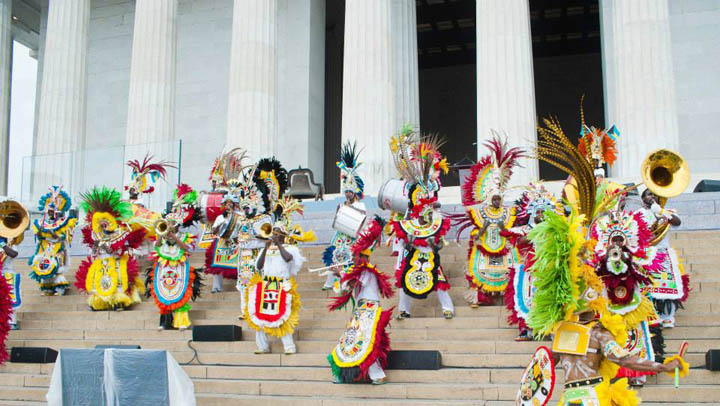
(79, 171)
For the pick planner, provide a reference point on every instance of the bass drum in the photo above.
(349, 221)
(392, 196)
(210, 206)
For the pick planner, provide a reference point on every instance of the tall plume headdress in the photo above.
(419, 161)
(491, 175)
(596, 143)
(141, 171)
(350, 180)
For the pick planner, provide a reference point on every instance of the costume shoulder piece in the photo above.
(141, 171)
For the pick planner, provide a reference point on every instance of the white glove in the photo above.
(656, 209)
(287, 285)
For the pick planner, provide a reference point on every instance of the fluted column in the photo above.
(505, 83)
(252, 93)
(5, 73)
(368, 94)
(151, 102)
(405, 63)
(639, 81)
(63, 97)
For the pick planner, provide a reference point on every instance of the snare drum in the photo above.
(349, 220)
(210, 206)
(392, 196)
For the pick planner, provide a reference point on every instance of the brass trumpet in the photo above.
(162, 227)
(264, 231)
(14, 219)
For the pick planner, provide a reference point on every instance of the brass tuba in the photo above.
(14, 219)
(666, 174)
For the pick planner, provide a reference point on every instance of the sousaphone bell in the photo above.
(14, 219)
(666, 174)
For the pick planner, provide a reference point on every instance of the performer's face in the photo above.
(133, 193)
(539, 215)
(649, 198)
(496, 201)
(349, 195)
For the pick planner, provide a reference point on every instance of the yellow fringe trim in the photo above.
(645, 311)
(181, 319)
(684, 371)
(290, 324)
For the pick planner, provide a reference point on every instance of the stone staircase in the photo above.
(481, 361)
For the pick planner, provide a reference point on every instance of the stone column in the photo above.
(505, 83)
(63, 97)
(151, 101)
(368, 94)
(639, 81)
(5, 74)
(252, 93)
(405, 63)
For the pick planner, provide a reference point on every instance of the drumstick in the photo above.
(683, 349)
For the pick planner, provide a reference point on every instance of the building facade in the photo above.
(184, 79)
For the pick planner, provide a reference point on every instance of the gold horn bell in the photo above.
(665, 173)
(14, 219)
(161, 227)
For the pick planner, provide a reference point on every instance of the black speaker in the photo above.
(33, 355)
(119, 347)
(712, 360)
(425, 360)
(220, 332)
(707, 185)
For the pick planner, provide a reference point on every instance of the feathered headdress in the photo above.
(140, 172)
(597, 144)
(534, 198)
(105, 205)
(184, 209)
(420, 164)
(491, 174)
(272, 181)
(56, 199)
(348, 164)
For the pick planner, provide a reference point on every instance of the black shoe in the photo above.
(403, 315)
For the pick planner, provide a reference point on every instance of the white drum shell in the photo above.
(349, 220)
(392, 196)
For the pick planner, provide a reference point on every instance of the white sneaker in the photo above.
(291, 351)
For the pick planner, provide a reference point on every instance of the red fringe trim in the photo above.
(87, 236)
(165, 309)
(133, 271)
(226, 273)
(399, 274)
(81, 274)
(629, 373)
(5, 311)
(513, 318)
(443, 230)
(442, 285)
(339, 302)
(468, 197)
(686, 285)
(381, 348)
(367, 237)
(399, 232)
(135, 238)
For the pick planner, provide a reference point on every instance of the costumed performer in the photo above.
(53, 233)
(530, 209)
(570, 301)
(272, 301)
(10, 294)
(670, 283)
(174, 282)
(422, 231)
(351, 184)
(221, 256)
(110, 275)
(361, 353)
(490, 255)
